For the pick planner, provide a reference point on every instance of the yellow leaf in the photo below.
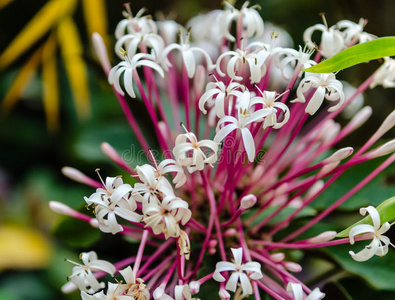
(20, 82)
(95, 18)
(23, 248)
(4, 3)
(49, 15)
(50, 84)
(70, 45)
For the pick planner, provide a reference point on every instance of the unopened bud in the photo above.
(212, 243)
(101, 52)
(282, 189)
(314, 189)
(360, 117)
(194, 287)
(199, 80)
(339, 155)
(223, 294)
(388, 123)
(158, 293)
(61, 208)
(94, 223)
(212, 251)
(230, 232)
(110, 152)
(277, 257)
(78, 176)
(385, 149)
(331, 134)
(292, 267)
(247, 201)
(68, 288)
(322, 237)
(163, 129)
(327, 168)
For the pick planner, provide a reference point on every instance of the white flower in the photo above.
(132, 42)
(268, 100)
(297, 292)
(332, 41)
(326, 87)
(244, 118)
(181, 292)
(385, 75)
(379, 244)
(353, 32)
(241, 56)
(239, 272)
(164, 217)
(82, 275)
(127, 68)
(114, 292)
(188, 152)
(139, 23)
(152, 184)
(131, 288)
(114, 200)
(220, 92)
(252, 21)
(188, 56)
(288, 56)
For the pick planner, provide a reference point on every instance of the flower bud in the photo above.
(388, 123)
(158, 293)
(385, 149)
(199, 80)
(314, 189)
(62, 209)
(322, 237)
(247, 201)
(292, 267)
(327, 168)
(223, 294)
(360, 118)
(230, 232)
(194, 287)
(277, 257)
(110, 152)
(94, 223)
(339, 155)
(101, 52)
(78, 176)
(212, 243)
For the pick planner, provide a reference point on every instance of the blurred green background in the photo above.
(33, 151)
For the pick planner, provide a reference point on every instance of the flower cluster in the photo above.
(234, 142)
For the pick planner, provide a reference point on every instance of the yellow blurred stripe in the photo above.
(49, 15)
(71, 47)
(96, 18)
(21, 82)
(4, 3)
(50, 84)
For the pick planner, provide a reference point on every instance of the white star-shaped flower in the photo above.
(164, 217)
(126, 68)
(379, 244)
(114, 200)
(83, 276)
(188, 55)
(245, 117)
(327, 87)
(189, 152)
(239, 272)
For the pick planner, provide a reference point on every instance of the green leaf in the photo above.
(377, 271)
(76, 233)
(357, 54)
(306, 212)
(386, 211)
